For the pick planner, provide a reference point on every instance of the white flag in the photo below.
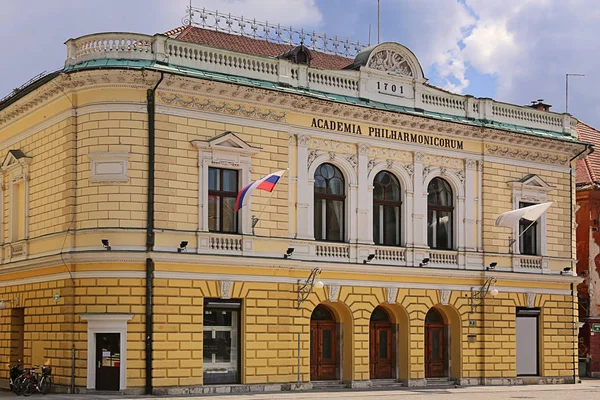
(531, 213)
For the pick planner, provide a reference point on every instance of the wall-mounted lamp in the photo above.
(370, 258)
(491, 267)
(106, 244)
(424, 262)
(566, 271)
(288, 253)
(182, 246)
(56, 297)
(477, 295)
(3, 302)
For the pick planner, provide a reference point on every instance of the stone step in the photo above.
(327, 385)
(386, 383)
(440, 382)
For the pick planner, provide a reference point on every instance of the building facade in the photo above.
(125, 266)
(588, 266)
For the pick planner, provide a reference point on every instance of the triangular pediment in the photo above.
(14, 157)
(226, 141)
(532, 182)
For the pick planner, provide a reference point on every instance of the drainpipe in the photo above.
(151, 104)
(575, 334)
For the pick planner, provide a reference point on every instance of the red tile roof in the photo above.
(588, 169)
(258, 47)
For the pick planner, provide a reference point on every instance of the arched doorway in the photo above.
(381, 345)
(436, 353)
(323, 345)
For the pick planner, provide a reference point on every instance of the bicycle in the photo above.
(15, 381)
(41, 383)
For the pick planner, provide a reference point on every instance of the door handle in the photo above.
(99, 364)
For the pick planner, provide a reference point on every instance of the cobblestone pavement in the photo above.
(588, 389)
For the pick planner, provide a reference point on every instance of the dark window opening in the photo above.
(528, 235)
(330, 203)
(439, 214)
(222, 193)
(386, 209)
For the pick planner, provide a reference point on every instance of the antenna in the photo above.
(378, 20)
(567, 90)
(369, 35)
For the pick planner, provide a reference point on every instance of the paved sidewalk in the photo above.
(587, 390)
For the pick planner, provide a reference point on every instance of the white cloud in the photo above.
(529, 45)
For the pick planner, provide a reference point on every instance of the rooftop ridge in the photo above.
(221, 22)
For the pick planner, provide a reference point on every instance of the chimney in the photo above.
(540, 105)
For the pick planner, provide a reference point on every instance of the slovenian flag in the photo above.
(267, 183)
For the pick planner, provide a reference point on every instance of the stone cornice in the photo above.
(274, 105)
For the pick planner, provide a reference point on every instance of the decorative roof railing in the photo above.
(133, 46)
(220, 22)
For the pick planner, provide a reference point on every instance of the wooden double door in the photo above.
(323, 346)
(435, 346)
(381, 350)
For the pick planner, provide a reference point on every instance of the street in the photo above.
(588, 389)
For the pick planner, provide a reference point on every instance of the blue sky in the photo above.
(511, 50)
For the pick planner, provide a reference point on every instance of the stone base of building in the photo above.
(522, 380)
(231, 389)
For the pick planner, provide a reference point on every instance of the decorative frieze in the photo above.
(523, 154)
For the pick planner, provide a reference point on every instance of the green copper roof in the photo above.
(179, 70)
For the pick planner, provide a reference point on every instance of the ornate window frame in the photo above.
(224, 151)
(16, 167)
(531, 189)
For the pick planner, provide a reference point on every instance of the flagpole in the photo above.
(255, 219)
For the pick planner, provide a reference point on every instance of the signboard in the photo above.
(595, 327)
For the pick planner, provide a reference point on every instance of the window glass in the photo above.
(220, 345)
(527, 234)
(222, 193)
(326, 343)
(329, 203)
(386, 209)
(439, 214)
(383, 344)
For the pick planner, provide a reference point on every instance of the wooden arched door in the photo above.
(381, 345)
(323, 345)
(435, 345)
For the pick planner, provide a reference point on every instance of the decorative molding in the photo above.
(312, 156)
(363, 149)
(530, 300)
(107, 167)
(226, 289)
(332, 155)
(389, 163)
(445, 296)
(461, 175)
(370, 165)
(523, 154)
(224, 106)
(410, 169)
(390, 61)
(333, 292)
(303, 140)
(471, 163)
(352, 161)
(392, 294)
(418, 156)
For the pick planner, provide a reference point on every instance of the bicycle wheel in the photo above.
(27, 387)
(18, 385)
(46, 385)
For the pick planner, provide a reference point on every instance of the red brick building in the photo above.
(588, 253)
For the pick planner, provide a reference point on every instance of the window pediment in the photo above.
(13, 159)
(533, 183)
(226, 148)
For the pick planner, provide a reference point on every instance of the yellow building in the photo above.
(125, 266)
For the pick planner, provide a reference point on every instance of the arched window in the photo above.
(386, 209)
(330, 198)
(439, 214)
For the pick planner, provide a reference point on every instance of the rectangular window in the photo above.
(527, 341)
(528, 235)
(17, 212)
(221, 344)
(439, 229)
(223, 189)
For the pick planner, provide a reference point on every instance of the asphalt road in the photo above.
(587, 390)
